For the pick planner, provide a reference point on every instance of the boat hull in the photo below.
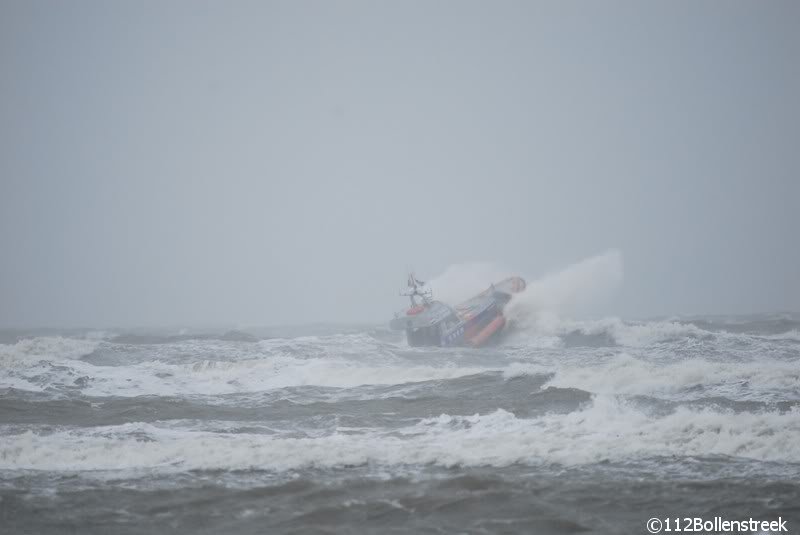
(494, 327)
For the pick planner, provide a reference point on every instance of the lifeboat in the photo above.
(473, 323)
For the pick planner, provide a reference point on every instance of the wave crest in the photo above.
(606, 430)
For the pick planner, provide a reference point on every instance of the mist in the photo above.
(259, 163)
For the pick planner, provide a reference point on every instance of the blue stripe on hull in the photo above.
(457, 337)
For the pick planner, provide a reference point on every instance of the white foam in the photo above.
(627, 375)
(46, 347)
(347, 362)
(332, 346)
(793, 335)
(215, 377)
(637, 334)
(41, 364)
(32, 364)
(221, 377)
(630, 334)
(605, 430)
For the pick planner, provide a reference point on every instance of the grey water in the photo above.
(585, 427)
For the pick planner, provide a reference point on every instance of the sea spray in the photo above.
(460, 282)
(574, 290)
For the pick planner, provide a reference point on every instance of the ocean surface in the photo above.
(583, 427)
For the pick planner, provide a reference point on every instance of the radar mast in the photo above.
(416, 290)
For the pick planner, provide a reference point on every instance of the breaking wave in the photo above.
(47, 364)
(46, 347)
(668, 359)
(606, 430)
(624, 374)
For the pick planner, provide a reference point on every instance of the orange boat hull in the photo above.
(487, 332)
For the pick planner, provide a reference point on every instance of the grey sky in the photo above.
(270, 162)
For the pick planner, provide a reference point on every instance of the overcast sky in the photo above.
(170, 162)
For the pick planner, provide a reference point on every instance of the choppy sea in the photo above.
(592, 426)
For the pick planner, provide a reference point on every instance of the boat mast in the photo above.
(415, 289)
